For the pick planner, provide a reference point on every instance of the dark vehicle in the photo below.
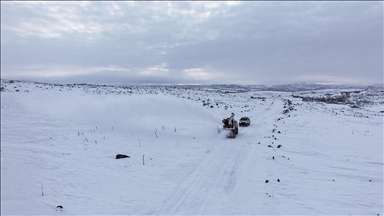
(244, 121)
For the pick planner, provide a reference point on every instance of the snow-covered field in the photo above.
(59, 142)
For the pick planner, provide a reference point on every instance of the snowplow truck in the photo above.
(230, 125)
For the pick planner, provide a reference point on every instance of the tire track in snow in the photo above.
(214, 176)
(258, 119)
(226, 182)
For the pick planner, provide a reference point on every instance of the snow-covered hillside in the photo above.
(59, 142)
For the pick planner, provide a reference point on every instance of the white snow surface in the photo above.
(59, 142)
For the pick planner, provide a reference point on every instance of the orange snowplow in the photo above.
(231, 126)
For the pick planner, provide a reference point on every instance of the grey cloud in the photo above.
(257, 41)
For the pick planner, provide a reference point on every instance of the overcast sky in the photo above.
(193, 42)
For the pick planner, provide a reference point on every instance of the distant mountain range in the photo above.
(295, 87)
(236, 88)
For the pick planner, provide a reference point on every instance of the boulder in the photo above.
(119, 156)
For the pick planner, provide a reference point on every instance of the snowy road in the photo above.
(211, 185)
(214, 178)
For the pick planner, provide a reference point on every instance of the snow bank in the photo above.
(134, 112)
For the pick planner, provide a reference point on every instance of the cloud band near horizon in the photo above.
(193, 42)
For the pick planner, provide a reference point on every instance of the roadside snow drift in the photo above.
(59, 143)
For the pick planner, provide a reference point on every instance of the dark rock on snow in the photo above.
(119, 156)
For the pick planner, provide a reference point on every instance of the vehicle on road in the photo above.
(244, 121)
(230, 125)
